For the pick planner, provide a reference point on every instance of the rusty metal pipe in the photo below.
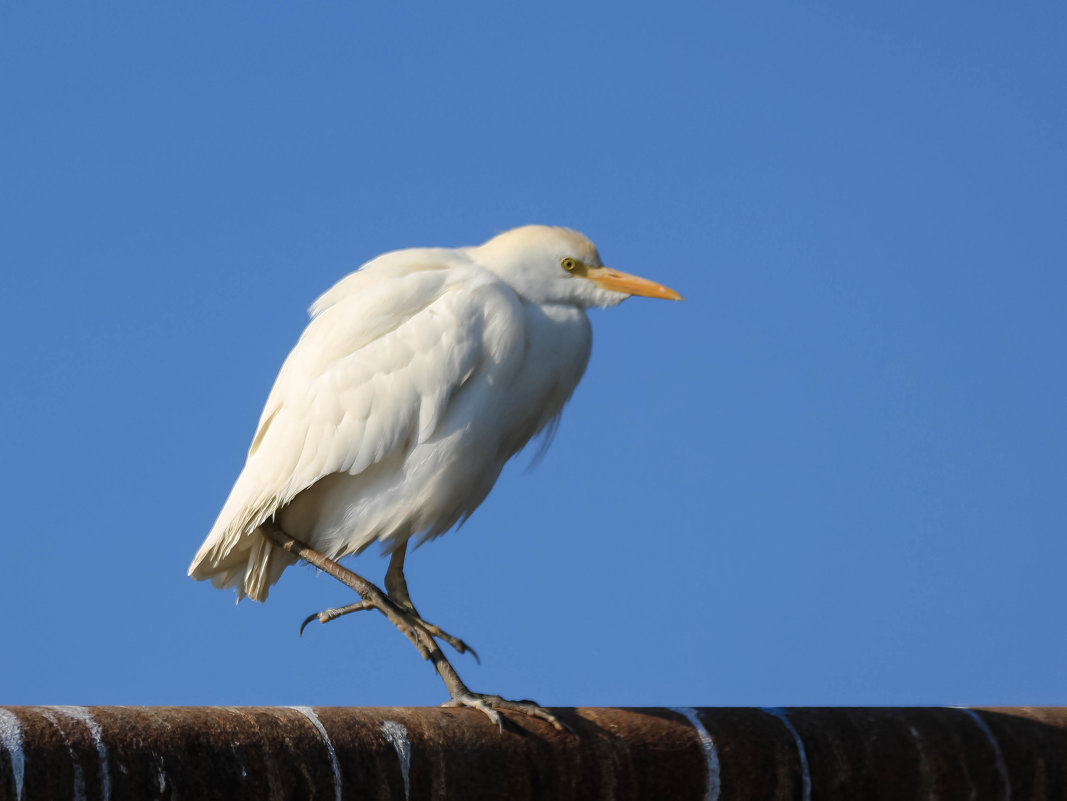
(388, 753)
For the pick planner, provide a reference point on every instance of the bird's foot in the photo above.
(413, 620)
(490, 704)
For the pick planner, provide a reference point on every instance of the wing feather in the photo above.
(372, 374)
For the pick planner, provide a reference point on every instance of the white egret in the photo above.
(418, 377)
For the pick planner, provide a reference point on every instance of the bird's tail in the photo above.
(251, 565)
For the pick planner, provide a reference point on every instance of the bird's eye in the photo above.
(568, 264)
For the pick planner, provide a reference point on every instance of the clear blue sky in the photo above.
(835, 475)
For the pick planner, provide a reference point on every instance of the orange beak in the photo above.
(606, 278)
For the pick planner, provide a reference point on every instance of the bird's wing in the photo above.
(373, 372)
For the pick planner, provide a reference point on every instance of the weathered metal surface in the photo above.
(338, 753)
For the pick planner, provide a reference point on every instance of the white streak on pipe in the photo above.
(805, 773)
(11, 738)
(396, 734)
(78, 792)
(82, 714)
(309, 713)
(1002, 766)
(710, 752)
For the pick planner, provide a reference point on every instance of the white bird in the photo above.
(418, 377)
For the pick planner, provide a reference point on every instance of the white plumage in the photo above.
(418, 377)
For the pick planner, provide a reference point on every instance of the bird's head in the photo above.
(557, 265)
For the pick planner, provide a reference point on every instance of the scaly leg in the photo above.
(412, 627)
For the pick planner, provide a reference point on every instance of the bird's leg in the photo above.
(395, 583)
(371, 595)
(396, 592)
(397, 588)
(411, 627)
